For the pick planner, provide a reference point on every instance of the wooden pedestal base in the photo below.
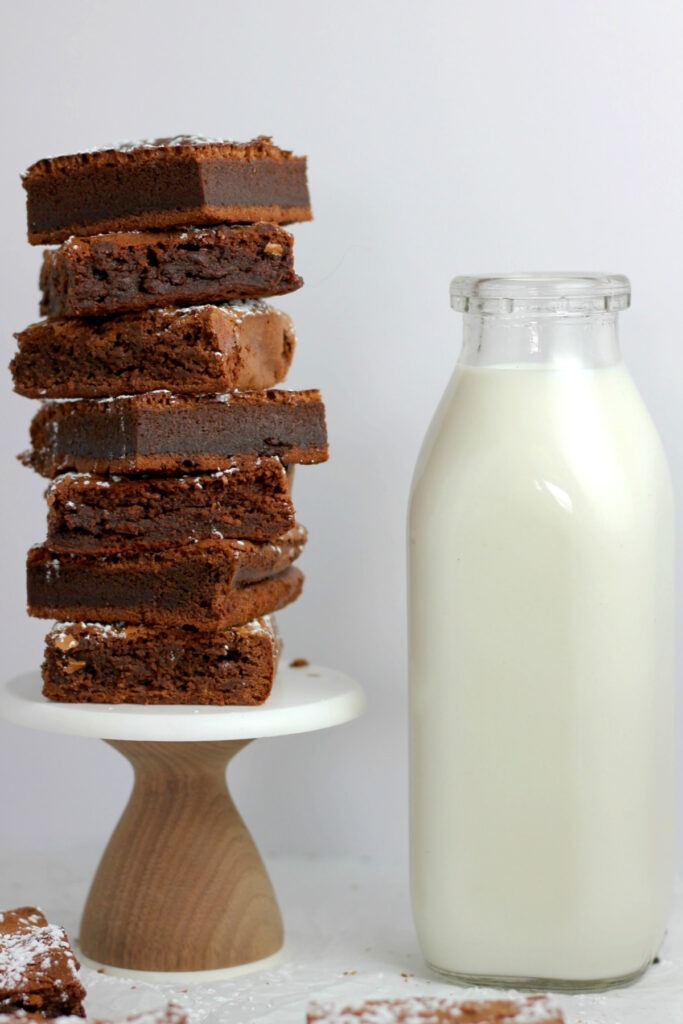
(181, 888)
(181, 885)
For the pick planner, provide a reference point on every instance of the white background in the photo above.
(443, 138)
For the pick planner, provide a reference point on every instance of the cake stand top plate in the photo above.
(302, 700)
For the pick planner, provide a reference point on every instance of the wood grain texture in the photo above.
(181, 885)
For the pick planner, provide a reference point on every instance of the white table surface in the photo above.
(349, 938)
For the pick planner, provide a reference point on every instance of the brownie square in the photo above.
(92, 514)
(164, 183)
(209, 584)
(191, 350)
(90, 662)
(161, 432)
(38, 969)
(122, 273)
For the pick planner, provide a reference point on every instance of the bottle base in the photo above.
(540, 984)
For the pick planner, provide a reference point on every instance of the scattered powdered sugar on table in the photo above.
(439, 1010)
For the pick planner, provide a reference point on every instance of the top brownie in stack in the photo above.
(159, 341)
(165, 183)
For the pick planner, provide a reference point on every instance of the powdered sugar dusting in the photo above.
(34, 958)
(175, 140)
(259, 627)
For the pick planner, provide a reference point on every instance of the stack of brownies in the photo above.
(171, 530)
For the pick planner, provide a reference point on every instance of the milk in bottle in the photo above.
(541, 648)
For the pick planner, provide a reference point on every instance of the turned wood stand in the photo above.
(181, 886)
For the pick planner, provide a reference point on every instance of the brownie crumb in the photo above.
(299, 663)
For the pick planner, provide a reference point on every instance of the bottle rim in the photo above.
(569, 293)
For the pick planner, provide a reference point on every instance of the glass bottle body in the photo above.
(541, 661)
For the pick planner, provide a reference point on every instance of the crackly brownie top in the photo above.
(34, 955)
(196, 146)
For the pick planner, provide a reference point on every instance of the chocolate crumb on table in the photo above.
(535, 1009)
(38, 968)
(299, 663)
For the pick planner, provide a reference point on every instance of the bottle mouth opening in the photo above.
(566, 293)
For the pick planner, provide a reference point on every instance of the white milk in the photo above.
(541, 665)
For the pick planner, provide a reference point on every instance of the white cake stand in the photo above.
(181, 886)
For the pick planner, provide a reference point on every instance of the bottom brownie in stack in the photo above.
(123, 664)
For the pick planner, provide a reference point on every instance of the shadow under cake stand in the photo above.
(181, 887)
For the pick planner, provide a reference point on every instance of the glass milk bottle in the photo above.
(541, 603)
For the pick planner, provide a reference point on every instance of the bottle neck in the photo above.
(558, 342)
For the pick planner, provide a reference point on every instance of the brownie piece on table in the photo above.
(164, 183)
(536, 1009)
(98, 514)
(209, 584)
(38, 969)
(166, 433)
(91, 662)
(123, 273)
(194, 350)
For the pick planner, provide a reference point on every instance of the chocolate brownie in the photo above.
(208, 584)
(122, 273)
(97, 514)
(193, 350)
(536, 1009)
(166, 433)
(164, 183)
(118, 664)
(38, 969)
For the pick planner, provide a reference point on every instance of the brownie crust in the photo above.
(193, 350)
(118, 664)
(38, 968)
(162, 184)
(207, 584)
(164, 433)
(126, 272)
(103, 515)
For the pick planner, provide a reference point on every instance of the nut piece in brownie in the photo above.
(160, 432)
(101, 515)
(123, 273)
(536, 1009)
(118, 664)
(164, 183)
(194, 350)
(212, 583)
(38, 969)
